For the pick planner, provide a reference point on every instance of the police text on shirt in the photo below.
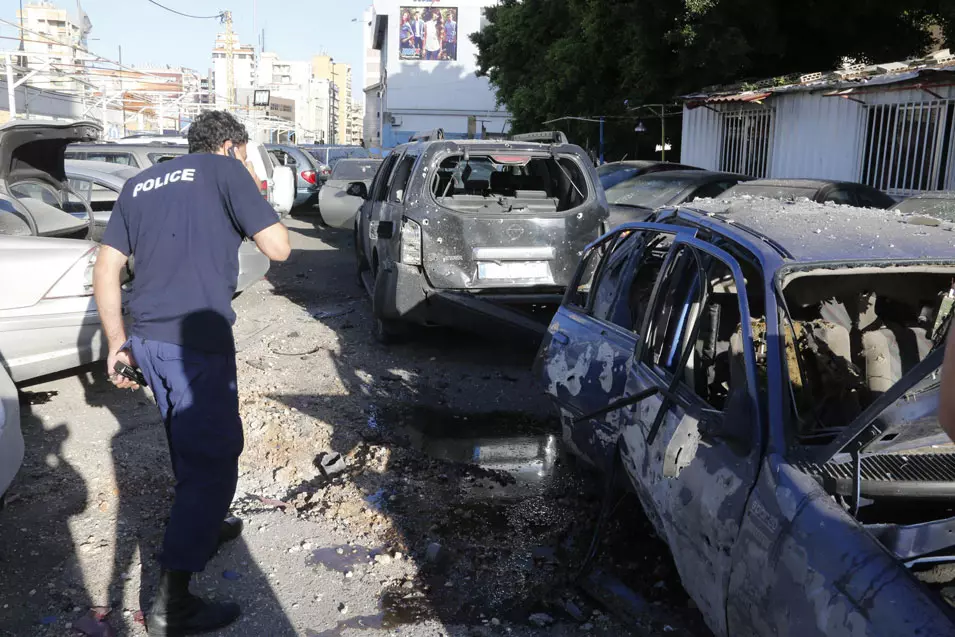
(189, 174)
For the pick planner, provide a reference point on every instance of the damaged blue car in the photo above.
(763, 375)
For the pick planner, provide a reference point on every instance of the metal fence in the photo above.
(908, 147)
(746, 139)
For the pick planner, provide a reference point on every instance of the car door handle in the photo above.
(560, 338)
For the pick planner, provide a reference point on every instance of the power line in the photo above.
(186, 15)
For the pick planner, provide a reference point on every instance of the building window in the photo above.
(908, 147)
(746, 140)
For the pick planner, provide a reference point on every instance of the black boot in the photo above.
(177, 612)
(230, 530)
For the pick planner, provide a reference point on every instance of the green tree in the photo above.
(552, 58)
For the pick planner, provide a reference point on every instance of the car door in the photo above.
(691, 447)
(584, 359)
(376, 196)
(391, 208)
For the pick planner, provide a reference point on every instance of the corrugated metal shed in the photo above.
(889, 125)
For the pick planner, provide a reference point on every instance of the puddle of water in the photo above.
(398, 607)
(342, 558)
(522, 447)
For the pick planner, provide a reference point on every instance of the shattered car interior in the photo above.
(767, 383)
(509, 183)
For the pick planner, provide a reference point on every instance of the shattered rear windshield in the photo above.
(647, 191)
(504, 182)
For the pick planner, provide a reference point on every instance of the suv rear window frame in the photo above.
(438, 158)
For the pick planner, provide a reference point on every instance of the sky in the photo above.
(149, 35)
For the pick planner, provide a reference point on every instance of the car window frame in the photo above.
(379, 186)
(412, 154)
(671, 382)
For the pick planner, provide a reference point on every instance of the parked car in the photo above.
(304, 166)
(102, 184)
(769, 392)
(614, 172)
(48, 318)
(471, 232)
(34, 193)
(98, 183)
(276, 183)
(636, 198)
(11, 438)
(337, 207)
(328, 156)
(136, 153)
(939, 203)
(819, 190)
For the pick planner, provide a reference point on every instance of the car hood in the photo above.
(29, 147)
(39, 263)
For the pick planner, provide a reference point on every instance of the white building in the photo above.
(430, 82)
(243, 57)
(320, 113)
(891, 126)
(51, 37)
(290, 80)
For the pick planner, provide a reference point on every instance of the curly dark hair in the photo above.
(212, 129)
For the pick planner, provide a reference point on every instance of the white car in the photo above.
(48, 318)
(276, 183)
(11, 438)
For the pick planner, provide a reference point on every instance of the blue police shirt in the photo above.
(183, 221)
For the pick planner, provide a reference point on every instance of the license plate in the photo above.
(514, 270)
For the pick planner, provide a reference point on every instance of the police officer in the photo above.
(183, 221)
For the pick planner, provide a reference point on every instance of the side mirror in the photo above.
(386, 229)
(357, 189)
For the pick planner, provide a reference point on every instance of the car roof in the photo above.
(645, 163)
(156, 146)
(114, 174)
(697, 176)
(805, 231)
(490, 145)
(818, 184)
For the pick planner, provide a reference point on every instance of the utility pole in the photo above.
(229, 59)
(122, 92)
(11, 91)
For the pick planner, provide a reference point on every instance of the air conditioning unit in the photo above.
(394, 120)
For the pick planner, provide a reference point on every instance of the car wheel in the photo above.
(384, 330)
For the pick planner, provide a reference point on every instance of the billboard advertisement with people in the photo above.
(428, 33)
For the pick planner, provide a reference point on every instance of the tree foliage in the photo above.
(551, 58)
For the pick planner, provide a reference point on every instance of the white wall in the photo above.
(429, 94)
(815, 136)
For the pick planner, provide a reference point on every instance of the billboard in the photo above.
(428, 33)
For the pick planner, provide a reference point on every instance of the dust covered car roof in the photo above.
(807, 231)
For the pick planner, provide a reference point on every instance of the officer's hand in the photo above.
(122, 356)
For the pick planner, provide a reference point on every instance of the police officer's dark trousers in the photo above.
(197, 397)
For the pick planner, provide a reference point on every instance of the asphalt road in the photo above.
(457, 513)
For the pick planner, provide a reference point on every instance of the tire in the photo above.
(384, 330)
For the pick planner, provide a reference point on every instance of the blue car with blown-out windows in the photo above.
(764, 376)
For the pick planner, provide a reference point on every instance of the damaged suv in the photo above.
(764, 376)
(474, 232)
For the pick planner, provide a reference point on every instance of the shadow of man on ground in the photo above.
(148, 483)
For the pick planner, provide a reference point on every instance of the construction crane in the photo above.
(229, 59)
